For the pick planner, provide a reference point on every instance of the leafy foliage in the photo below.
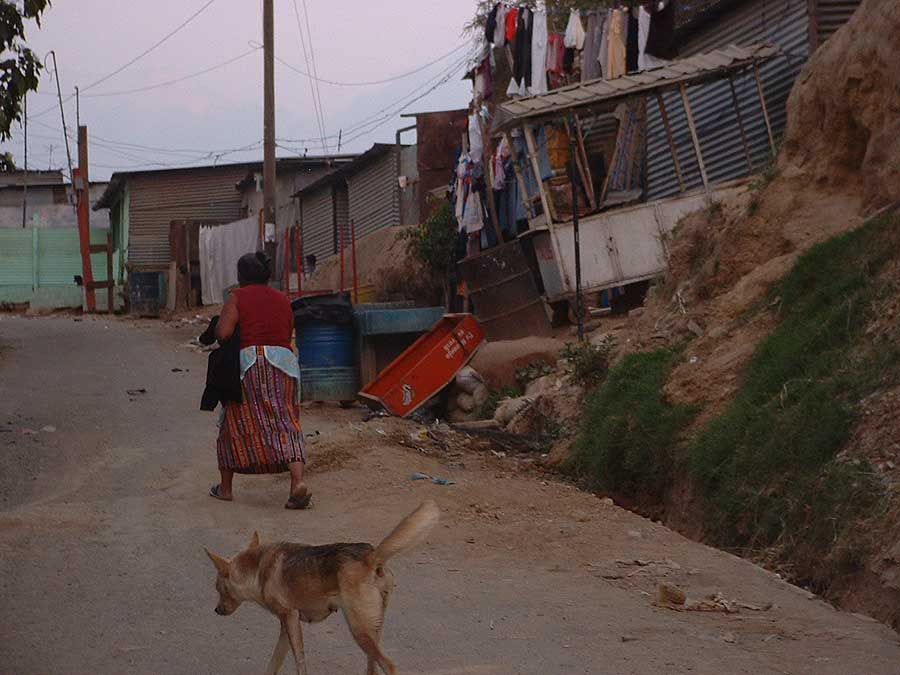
(19, 68)
(630, 430)
(589, 362)
(432, 245)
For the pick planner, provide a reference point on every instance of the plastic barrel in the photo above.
(327, 361)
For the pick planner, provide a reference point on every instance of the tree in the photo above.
(7, 162)
(19, 69)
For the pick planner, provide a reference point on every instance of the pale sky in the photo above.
(354, 41)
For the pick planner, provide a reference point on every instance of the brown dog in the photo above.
(308, 583)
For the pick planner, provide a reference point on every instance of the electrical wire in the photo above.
(317, 108)
(177, 80)
(137, 58)
(315, 71)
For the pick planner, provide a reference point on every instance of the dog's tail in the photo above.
(408, 532)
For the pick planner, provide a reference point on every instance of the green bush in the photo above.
(432, 245)
(589, 362)
(630, 430)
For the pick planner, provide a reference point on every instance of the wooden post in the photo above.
(84, 217)
(694, 137)
(520, 178)
(300, 262)
(353, 257)
(589, 188)
(110, 291)
(740, 121)
(665, 118)
(536, 167)
(286, 282)
(574, 136)
(765, 110)
(341, 239)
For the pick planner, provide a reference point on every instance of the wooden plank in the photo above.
(110, 296)
(765, 110)
(592, 196)
(536, 167)
(98, 248)
(520, 178)
(582, 168)
(740, 121)
(694, 137)
(671, 139)
(187, 257)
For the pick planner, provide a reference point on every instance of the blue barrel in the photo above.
(146, 293)
(327, 358)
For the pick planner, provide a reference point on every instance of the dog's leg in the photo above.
(295, 636)
(280, 652)
(364, 611)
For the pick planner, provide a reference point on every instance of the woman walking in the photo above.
(261, 434)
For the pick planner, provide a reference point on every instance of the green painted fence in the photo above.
(39, 265)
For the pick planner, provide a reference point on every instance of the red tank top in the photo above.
(264, 316)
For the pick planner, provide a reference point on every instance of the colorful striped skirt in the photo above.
(263, 433)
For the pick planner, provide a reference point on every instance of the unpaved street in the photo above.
(104, 513)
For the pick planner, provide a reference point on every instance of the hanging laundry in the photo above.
(476, 142)
(569, 60)
(501, 154)
(631, 41)
(500, 29)
(645, 60)
(556, 53)
(472, 220)
(661, 33)
(603, 57)
(616, 36)
(520, 85)
(484, 81)
(512, 16)
(590, 68)
(460, 189)
(539, 39)
(490, 26)
(574, 31)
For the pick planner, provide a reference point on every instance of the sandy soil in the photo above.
(104, 515)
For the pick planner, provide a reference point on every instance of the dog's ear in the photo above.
(223, 567)
(254, 542)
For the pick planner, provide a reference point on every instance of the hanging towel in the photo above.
(574, 31)
(500, 29)
(603, 56)
(631, 41)
(662, 29)
(590, 68)
(476, 142)
(616, 42)
(539, 40)
(490, 26)
(512, 16)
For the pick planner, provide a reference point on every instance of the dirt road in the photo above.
(104, 514)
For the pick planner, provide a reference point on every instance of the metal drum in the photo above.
(326, 344)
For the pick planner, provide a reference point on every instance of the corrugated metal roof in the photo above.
(605, 93)
(376, 151)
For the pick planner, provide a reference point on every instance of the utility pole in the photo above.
(269, 178)
(81, 184)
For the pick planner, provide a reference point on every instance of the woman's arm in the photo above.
(228, 320)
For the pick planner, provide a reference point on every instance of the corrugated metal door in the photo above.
(831, 15)
(784, 23)
(208, 195)
(373, 195)
(317, 222)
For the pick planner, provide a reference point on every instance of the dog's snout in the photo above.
(220, 611)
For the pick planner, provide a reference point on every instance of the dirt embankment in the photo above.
(840, 164)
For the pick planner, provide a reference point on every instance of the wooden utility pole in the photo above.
(82, 185)
(269, 185)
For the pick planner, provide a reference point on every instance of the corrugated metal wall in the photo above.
(157, 199)
(317, 223)
(374, 199)
(831, 15)
(781, 22)
(341, 212)
(50, 257)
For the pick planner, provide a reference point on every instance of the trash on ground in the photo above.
(437, 480)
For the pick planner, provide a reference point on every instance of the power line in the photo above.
(314, 92)
(136, 58)
(368, 83)
(177, 80)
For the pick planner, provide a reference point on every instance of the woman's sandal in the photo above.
(215, 492)
(299, 503)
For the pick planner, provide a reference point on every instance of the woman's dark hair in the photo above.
(254, 268)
